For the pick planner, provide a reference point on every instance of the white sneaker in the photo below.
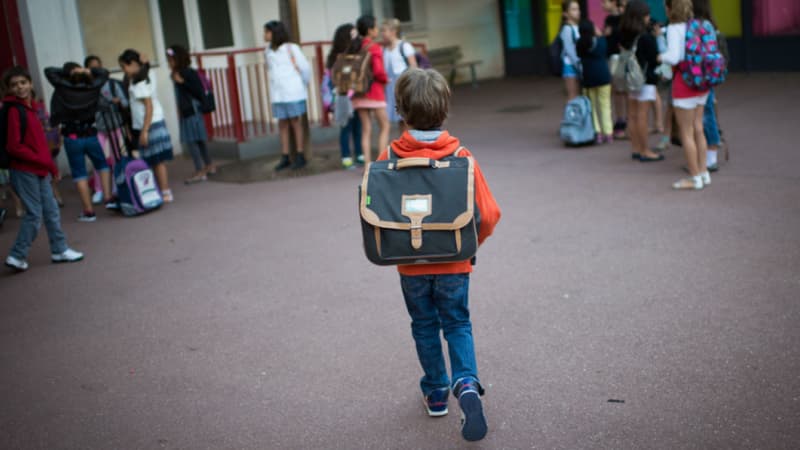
(20, 265)
(97, 198)
(691, 183)
(706, 178)
(68, 256)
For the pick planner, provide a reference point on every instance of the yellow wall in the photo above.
(553, 19)
(728, 15)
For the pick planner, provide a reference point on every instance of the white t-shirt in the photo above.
(285, 82)
(393, 59)
(138, 92)
(676, 44)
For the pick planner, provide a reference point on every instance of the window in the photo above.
(173, 21)
(215, 21)
(400, 10)
(111, 27)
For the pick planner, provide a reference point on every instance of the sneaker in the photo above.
(87, 217)
(68, 256)
(706, 178)
(97, 198)
(284, 163)
(691, 183)
(112, 205)
(347, 163)
(473, 421)
(436, 402)
(20, 265)
(360, 160)
(299, 162)
(713, 167)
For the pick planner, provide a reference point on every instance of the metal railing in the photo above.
(240, 85)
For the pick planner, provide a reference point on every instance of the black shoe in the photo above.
(645, 159)
(299, 162)
(713, 168)
(473, 421)
(283, 164)
(636, 156)
(676, 141)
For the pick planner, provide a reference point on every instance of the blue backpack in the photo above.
(577, 127)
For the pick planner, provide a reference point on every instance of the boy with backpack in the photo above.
(25, 149)
(436, 294)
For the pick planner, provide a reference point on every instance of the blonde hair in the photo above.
(423, 98)
(392, 24)
(680, 10)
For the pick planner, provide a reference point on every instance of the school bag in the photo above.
(422, 60)
(208, 103)
(419, 210)
(577, 127)
(353, 72)
(137, 191)
(629, 75)
(5, 158)
(703, 67)
(555, 58)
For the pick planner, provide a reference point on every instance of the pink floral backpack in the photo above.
(703, 67)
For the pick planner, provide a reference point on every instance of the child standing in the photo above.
(596, 80)
(637, 38)
(32, 170)
(571, 16)
(342, 40)
(436, 295)
(374, 101)
(189, 93)
(288, 71)
(614, 8)
(149, 131)
(398, 56)
(688, 103)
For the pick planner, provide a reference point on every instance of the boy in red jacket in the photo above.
(436, 295)
(32, 168)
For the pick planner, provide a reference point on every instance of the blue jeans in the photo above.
(36, 195)
(353, 128)
(440, 303)
(77, 151)
(710, 126)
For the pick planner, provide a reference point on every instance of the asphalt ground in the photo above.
(609, 311)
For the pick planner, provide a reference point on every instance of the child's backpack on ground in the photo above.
(422, 60)
(577, 127)
(703, 67)
(208, 103)
(353, 72)
(137, 191)
(419, 210)
(628, 76)
(5, 158)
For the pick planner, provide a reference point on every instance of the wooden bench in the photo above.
(447, 60)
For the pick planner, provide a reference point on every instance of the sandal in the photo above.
(198, 178)
(167, 196)
(645, 159)
(691, 183)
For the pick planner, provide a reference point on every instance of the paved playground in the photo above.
(609, 311)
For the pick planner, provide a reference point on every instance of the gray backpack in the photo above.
(577, 127)
(629, 76)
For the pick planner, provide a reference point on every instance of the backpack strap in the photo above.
(458, 151)
(403, 52)
(389, 154)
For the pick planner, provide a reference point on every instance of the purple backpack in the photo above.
(137, 190)
(208, 103)
(703, 67)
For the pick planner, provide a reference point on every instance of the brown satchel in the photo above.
(353, 71)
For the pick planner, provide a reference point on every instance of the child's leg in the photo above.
(700, 140)
(633, 131)
(685, 119)
(52, 218)
(283, 128)
(196, 158)
(658, 116)
(592, 93)
(573, 87)
(711, 129)
(344, 139)
(451, 297)
(385, 129)
(162, 176)
(425, 326)
(27, 187)
(357, 145)
(297, 128)
(366, 134)
(604, 100)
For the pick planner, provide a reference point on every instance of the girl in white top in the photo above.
(688, 103)
(149, 131)
(571, 16)
(288, 72)
(398, 56)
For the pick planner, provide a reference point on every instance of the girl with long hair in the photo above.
(342, 40)
(688, 103)
(570, 17)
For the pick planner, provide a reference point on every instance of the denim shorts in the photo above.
(78, 149)
(569, 71)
